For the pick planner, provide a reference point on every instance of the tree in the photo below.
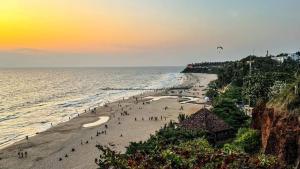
(258, 85)
(248, 140)
(226, 109)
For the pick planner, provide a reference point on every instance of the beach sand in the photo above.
(46, 148)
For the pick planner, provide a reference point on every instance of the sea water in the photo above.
(33, 98)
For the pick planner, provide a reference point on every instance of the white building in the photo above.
(279, 58)
(282, 58)
(294, 56)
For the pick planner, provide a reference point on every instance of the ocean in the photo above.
(33, 98)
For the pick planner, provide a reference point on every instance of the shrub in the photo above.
(173, 160)
(266, 160)
(231, 148)
(182, 117)
(163, 139)
(226, 109)
(248, 140)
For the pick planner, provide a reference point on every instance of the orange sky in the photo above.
(48, 26)
(76, 26)
(146, 28)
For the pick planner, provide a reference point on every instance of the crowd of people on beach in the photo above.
(122, 114)
(22, 154)
(124, 108)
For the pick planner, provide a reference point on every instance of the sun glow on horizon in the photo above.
(166, 29)
(53, 26)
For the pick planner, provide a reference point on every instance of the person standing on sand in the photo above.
(181, 108)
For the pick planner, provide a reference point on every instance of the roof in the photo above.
(205, 120)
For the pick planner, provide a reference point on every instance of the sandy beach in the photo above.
(71, 145)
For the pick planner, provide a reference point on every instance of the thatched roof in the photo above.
(205, 120)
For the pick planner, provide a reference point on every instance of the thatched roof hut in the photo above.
(207, 121)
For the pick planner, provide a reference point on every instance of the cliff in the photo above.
(205, 67)
(280, 133)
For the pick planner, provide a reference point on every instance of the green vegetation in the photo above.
(212, 91)
(230, 113)
(169, 135)
(182, 117)
(225, 105)
(258, 86)
(235, 72)
(205, 67)
(247, 140)
(265, 72)
(288, 98)
(188, 151)
(174, 147)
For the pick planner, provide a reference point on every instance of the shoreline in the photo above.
(72, 116)
(47, 148)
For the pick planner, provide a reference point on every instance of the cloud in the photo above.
(28, 51)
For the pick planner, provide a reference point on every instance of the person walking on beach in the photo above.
(181, 108)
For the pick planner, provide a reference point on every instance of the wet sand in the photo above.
(69, 145)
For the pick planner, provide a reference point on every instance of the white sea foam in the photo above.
(32, 99)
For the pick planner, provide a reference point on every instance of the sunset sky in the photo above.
(143, 32)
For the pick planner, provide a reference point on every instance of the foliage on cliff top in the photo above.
(234, 72)
(247, 140)
(289, 98)
(265, 73)
(225, 105)
(191, 153)
(165, 137)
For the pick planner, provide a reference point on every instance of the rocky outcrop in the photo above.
(280, 133)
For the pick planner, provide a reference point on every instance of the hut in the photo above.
(209, 122)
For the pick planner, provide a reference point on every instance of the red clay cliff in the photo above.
(280, 133)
